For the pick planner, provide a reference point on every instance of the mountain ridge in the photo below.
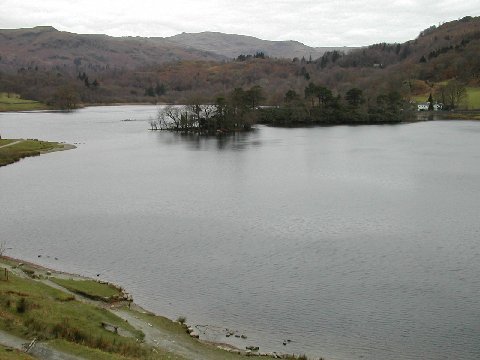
(233, 45)
(45, 46)
(102, 69)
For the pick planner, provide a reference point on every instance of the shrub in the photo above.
(182, 320)
(21, 305)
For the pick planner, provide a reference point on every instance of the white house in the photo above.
(423, 106)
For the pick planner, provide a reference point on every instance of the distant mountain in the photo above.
(45, 47)
(231, 45)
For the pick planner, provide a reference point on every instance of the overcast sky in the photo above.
(313, 22)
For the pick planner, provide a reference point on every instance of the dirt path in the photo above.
(175, 342)
(12, 143)
(11, 341)
(160, 338)
(153, 336)
(39, 350)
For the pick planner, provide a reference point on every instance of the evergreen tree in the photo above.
(160, 89)
(150, 91)
(430, 102)
(354, 97)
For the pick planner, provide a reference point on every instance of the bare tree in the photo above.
(170, 116)
(453, 94)
(208, 111)
(153, 123)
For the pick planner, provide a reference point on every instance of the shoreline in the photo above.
(37, 272)
(126, 308)
(18, 149)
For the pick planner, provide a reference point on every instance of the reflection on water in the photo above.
(233, 141)
(350, 241)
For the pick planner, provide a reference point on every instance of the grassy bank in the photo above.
(31, 308)
(91, 289)
(12, 150)
(37, 303)
(461, 115)
(13, 102)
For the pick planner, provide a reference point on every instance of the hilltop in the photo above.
(44, 48)
(232, 45)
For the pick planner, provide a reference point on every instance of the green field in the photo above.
(473, 98)
(25, 148)
(13, 102)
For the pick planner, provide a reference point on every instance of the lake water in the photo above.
(352, 242)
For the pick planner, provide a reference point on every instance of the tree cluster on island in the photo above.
(241, 109)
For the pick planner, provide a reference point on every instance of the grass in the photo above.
(461, 115)
(26, 268)
(12, 354)
(30, 309)
(84, 352)
(178, 332)
(6, 141)
(91, 289)
(25, 148)
(13, 102)
(473, 97)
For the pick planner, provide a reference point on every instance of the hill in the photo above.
(44, 48)
(231, 45)
(164, 70)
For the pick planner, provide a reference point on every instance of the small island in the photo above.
(319, 105)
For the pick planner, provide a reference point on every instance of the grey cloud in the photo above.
(317, 23)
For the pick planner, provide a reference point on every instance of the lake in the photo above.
(352, 242)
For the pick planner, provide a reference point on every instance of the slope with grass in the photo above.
(13, 102)
(77, 325)
(472, 99)
(91, 289)
(473, 95)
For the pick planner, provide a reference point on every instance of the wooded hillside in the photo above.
(415, 68)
